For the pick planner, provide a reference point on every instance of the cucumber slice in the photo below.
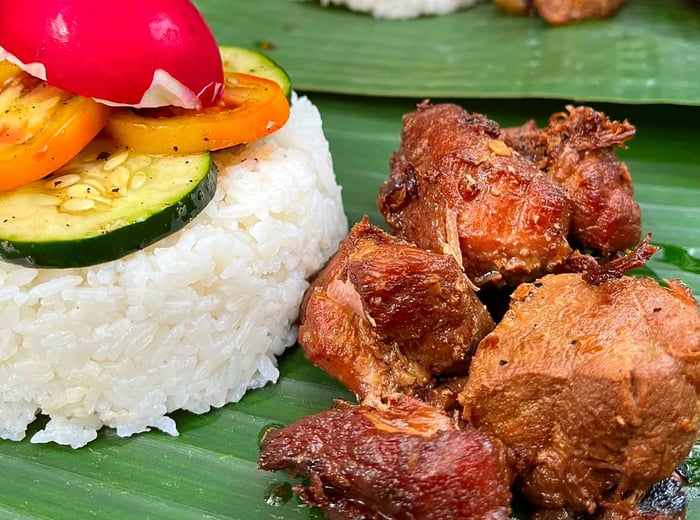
(248, 61)
(104, 204)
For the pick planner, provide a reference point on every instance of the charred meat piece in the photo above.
(577, 150)
(403, 460)
(384, 315)
(528, 140)
(666, 500)
(559, 12)
(456, 187)
(593, 388)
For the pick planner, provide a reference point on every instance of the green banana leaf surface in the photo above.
(648, 53)
(364, 75)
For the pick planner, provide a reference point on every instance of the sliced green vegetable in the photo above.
(104, 204)
(239, 59)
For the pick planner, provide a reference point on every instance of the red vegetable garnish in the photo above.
(131, 52)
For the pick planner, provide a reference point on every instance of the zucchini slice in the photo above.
(104, 204)
(248, 61)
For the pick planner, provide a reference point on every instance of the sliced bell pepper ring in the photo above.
(41, 127)
(251, 108)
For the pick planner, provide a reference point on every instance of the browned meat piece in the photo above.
(577, 150)
(385, 316)
(445, 393)
(455, 187)
(528, 140)
(664, 501)
(404, 460)
(559, 12)
(516, 6)
(593, 388)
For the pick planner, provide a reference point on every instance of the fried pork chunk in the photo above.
(456, 187)
(577, 151)
(403, 460)
(385, 316)
(593, 388)
(559, 12)
(666, 500)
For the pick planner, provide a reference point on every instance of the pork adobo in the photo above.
(584, 397)
(665, 500)
(577, 151)
(593, 388)
(402, 460)
(456, 187)
(385, 316)
(511, 203)
(559, 12)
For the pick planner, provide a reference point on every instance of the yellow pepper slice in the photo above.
(250, 108)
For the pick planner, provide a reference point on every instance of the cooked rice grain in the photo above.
(189, 323)
(402, 9)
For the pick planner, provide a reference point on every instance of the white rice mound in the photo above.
(404, 9)
(192, 322)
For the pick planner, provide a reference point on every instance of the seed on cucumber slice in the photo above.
(248, 61)
(104, 204)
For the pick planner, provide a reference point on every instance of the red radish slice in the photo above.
(140, 53)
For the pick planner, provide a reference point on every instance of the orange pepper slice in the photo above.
(41, 127)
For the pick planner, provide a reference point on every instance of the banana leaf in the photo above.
(209, 471)
(649, 52)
